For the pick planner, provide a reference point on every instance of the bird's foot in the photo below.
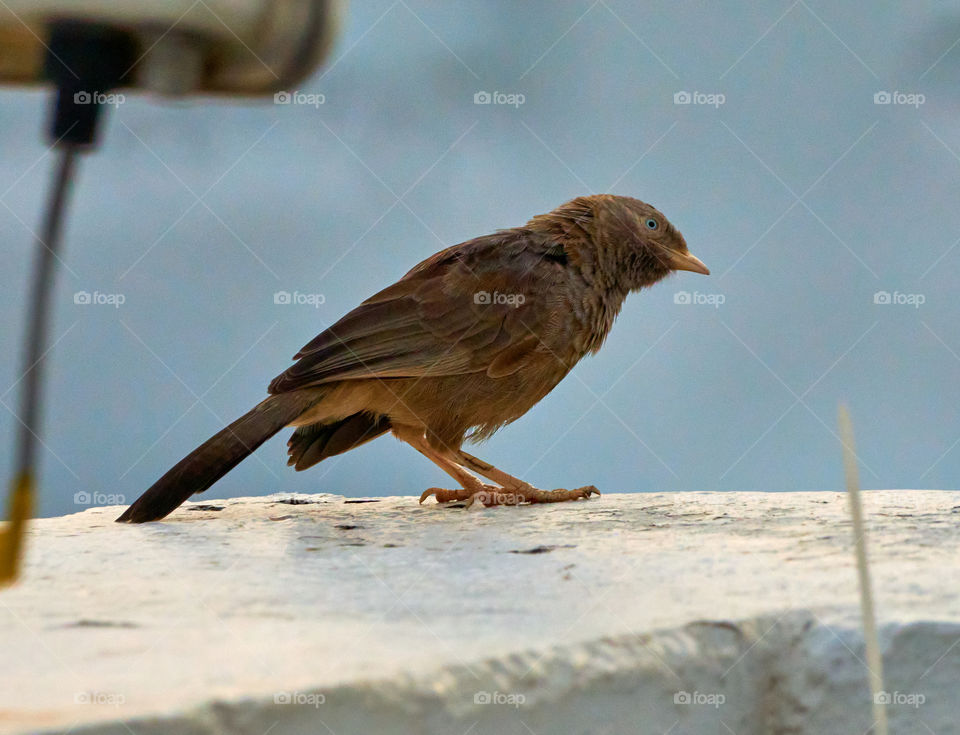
(492, 495)
(533, 495)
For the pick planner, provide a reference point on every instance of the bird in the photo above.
(468, 341)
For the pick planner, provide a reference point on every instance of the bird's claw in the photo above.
(586, 491)
(460, 494)
(431, 491)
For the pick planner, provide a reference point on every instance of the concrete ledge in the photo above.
(680, 612)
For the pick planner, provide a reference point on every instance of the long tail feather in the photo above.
(218, 455)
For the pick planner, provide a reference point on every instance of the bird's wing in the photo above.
(483, 305)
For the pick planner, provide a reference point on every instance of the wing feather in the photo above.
(436, 319)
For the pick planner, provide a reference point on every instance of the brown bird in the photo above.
(463, 344)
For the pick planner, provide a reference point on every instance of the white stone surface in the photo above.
(393, 617)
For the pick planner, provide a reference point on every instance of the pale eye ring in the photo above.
(651, 224)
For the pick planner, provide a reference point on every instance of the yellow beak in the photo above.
(688, 262)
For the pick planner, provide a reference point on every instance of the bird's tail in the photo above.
(218, 455)
(315, 442)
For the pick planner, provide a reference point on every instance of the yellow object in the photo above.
(11, 537)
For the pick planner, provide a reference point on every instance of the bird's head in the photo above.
(630, 241)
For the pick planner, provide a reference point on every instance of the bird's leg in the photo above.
(511, 490)
(491, 473)
(524, 490)
(470, 486)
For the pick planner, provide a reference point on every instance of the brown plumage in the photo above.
(466, 342)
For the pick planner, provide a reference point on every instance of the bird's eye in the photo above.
(652, 224)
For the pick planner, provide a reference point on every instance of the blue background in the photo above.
(803, 196)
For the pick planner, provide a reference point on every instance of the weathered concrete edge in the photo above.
(781, 673)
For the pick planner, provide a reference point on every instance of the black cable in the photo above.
(35, 337)
(85, 61)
